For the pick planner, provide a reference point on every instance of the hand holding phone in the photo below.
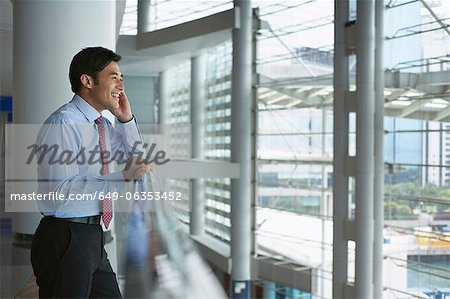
(123, 112)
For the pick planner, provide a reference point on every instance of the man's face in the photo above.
(108, 88)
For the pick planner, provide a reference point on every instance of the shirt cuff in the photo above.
(125, 122)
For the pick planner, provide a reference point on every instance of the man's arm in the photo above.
(72, 170)
(126, 141)
(126, 138)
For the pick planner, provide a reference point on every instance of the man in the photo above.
(67, 254)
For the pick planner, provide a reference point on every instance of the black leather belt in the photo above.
(85, 220)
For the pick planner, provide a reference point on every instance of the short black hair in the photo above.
(89, 61)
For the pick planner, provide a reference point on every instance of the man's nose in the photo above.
(120, 85)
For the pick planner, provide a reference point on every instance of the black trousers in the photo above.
(69, 261)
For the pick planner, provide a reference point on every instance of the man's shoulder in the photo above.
(66, 114)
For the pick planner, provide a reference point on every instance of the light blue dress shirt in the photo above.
(76, 172)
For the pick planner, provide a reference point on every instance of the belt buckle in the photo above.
(93, 219)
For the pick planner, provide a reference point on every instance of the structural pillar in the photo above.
(379, 152)
(241, 126)
(143, 25)
(46, 35)
(198, 75)
(143, 16)
(163, 98)
(362, 167)
(340, 150)
(321, 288)
(364, 163)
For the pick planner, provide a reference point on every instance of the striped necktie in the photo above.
(106, 203)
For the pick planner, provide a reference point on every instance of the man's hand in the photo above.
(123, 112)
(135, 169)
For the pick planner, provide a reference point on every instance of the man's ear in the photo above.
(87, 81)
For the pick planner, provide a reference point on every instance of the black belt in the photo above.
(85, 220)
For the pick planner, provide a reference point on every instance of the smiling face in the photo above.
(107, 88)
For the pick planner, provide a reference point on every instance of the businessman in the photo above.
(67, 254)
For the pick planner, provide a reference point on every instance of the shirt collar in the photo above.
(88, 111)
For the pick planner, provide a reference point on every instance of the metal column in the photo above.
(241, 104)
(340, 150)
(198, 72)
(163, 98)
(143, 16)
(143, 25)
(379, 152)
(364, 168)
(323, 212)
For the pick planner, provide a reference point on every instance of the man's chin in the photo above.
(115, 109)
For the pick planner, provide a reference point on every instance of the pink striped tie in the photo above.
(107, 204)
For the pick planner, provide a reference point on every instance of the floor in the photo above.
(15, 267)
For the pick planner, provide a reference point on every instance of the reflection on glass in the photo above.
(162, 261)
